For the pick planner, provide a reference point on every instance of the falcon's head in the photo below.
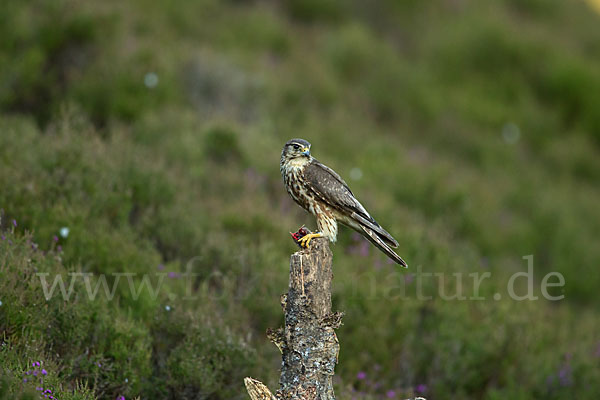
(296, 148)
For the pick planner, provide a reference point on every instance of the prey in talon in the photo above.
(323, 193)
(299, 236)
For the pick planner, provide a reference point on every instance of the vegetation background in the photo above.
(141, 137)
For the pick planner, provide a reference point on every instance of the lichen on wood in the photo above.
(308, 342)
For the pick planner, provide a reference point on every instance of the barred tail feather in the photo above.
(374, 238)
(373, 225)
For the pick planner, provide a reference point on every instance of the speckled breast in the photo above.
(293, 179)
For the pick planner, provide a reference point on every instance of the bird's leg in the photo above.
(305, 240)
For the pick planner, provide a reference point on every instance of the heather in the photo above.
(139, 152)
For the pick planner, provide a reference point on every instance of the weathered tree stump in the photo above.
(308, 343)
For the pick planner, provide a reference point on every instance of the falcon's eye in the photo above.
(296, 146)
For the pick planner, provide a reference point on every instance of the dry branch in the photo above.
(308, 342)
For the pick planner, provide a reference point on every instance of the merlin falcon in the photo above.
(322, 192)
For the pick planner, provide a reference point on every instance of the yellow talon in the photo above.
(305, 240)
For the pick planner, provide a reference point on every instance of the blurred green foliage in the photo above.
(152, 131)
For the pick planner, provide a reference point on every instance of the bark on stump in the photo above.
(308, 342)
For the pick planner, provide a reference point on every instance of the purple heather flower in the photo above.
(377, 264)
(24, 379)
(59, 248)
(55, 238)
(421, 388)
(14, 221)
(173, 274)
(363, 249)
(3, 237)
(121, 398)
(99, 365)
(44, 372)
(390, 394)
(39, 388)
(47, 391)
(35, 373)
(361, 375)
(565, 377)
(36, 364)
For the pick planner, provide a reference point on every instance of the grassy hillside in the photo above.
(140, 141)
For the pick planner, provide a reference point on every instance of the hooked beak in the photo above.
(306, 151)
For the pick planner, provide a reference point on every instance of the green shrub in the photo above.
(221, 144)
(315, 11)
(152, 131)
(209, 364)
(43, 53)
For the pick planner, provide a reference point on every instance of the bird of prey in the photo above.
(322, 192)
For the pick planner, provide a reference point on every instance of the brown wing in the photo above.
(330, 188)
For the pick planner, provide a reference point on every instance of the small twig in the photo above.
(257, 390)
